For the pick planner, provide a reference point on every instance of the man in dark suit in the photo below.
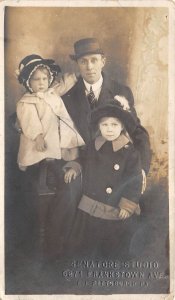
(94, 89)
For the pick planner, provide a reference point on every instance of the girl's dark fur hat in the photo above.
(27, 65)
(114, 109)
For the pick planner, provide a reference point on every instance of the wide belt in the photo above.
(98, 209)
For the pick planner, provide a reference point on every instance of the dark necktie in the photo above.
(91, 98)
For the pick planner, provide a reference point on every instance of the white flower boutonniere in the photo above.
(123, 102)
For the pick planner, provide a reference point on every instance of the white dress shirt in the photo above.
(96, 87)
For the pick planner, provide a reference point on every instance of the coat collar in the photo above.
(117, 144)
(105, 93)
(35, 97)
(106, 82)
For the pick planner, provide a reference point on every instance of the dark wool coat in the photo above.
(112, 180)
(112, 174)
(78, 107)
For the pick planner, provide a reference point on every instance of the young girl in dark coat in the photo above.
(112, 186)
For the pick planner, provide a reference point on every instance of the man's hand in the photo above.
(40, 143)
(124, 214)
(69, 175)
(143, 181)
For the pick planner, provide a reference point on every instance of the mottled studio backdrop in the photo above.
(135, 41)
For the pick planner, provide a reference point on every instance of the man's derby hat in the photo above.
(85, 47)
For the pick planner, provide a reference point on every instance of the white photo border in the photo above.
(102, 3)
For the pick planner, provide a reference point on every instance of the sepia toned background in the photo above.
(135, 41)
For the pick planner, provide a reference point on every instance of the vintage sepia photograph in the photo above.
(88, 149)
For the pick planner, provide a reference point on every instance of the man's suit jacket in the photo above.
(78, 107)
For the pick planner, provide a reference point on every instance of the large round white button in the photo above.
(109, 190)
(116, 167)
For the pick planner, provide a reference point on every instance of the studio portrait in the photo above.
(86, 150)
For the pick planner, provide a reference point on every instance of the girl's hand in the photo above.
(40, 143)
(69, 175)
(124, 214)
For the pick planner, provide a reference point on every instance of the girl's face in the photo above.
(39, 81)
(110, 128)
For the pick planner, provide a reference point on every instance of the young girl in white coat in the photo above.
(49, 139)
(47, 129)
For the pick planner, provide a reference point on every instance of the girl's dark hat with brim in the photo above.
(27, 65)
(115, 110)
(85, 47)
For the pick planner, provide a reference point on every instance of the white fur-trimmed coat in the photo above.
(38, 114)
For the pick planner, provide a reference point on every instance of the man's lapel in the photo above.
(106, 91)
(81, 97)
(78, 108)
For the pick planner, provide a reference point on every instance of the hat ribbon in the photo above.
(30, 62)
